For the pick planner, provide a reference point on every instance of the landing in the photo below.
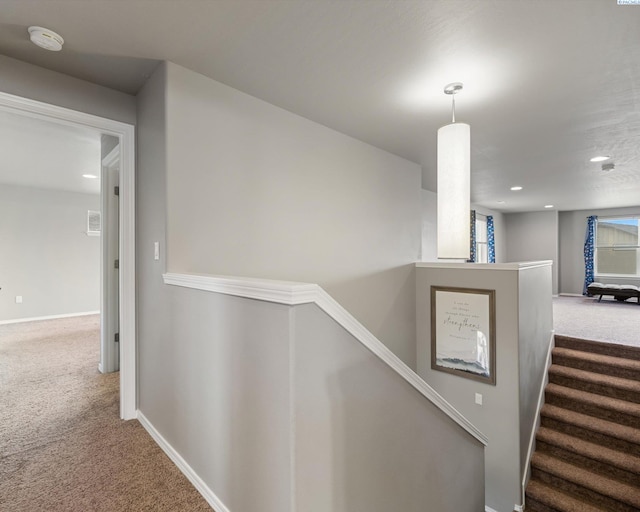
(608, 321)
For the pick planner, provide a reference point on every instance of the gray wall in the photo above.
(430, 229)
(46, 256)
(224, 379)
(365, 439)
(28, 81)
(523, 332)
(533, 236)
(254, 190)
(572, 229)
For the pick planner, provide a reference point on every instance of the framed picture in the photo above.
(463, 335)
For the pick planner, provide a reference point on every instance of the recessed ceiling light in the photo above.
(501, 202)
(599, 158)
(89, 176)
(516, 188)
(45, 38)
(548, 206)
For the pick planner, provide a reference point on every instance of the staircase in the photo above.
(587, 456)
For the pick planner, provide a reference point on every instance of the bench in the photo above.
(620, 292)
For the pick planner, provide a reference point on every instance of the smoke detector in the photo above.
(45, 38)
(608, 167)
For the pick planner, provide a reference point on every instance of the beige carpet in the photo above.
(62, 444)
(609, 321)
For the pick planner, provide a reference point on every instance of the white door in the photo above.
(110, 243)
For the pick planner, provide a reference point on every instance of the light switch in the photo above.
(156, 250)
(18, 299)
(478, 398)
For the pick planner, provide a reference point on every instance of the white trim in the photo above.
(518, 508)
(570, 295)
(292, 294)
(487, 508)
(49, 317)
(536, 423)
(522, 265)
(186, 470)
(126, 134)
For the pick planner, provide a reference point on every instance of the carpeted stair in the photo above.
(587, 456)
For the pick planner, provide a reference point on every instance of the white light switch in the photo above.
(478, 398)
(18, 299)
(156, 250)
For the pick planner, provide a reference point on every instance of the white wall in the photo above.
(430, 229)
(46, 256)
(533, 236)
(256, 191)
(572, 230)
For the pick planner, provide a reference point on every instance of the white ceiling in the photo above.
(44, 154)
(548, 83)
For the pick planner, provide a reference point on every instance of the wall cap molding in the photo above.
(293, 294)
(514, 267)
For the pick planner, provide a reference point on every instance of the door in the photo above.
(110, 243)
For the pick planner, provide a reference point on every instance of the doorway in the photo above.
(125, 295)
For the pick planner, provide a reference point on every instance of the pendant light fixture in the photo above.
(454, 189)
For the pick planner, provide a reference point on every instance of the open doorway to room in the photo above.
(66, 184)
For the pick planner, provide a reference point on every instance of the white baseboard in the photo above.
(487, 508)
(570, 295)
(186, 470)
(518, 508)
(50, 317)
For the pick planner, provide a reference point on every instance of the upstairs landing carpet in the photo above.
(62, 444)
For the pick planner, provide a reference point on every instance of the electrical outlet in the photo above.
(18, 299)
(156, 250)
(478, 399)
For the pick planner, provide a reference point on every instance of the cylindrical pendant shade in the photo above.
(454, 191)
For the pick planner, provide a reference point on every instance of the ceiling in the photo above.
(50, 155)
(548, 84)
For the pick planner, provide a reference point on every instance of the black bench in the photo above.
(621, 292)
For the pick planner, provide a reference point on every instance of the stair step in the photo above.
(554, 500)
(606, 433)
(597, 363)
(597, 489)
(591, 456)
(607, 385)
(597, 347)
(611, 409)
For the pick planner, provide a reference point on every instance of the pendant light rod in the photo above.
(453, 89)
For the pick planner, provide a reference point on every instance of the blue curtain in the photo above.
(491, 241)
(472, 248)
(589, 242)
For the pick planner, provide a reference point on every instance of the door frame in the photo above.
(127, 281)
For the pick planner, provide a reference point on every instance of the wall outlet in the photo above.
(478, 398)
(156, 250)
(18, 299)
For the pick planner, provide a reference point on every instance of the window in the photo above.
(617, 249)
(482, 247)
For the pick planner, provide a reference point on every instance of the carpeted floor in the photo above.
(62, 444)
(608, 321)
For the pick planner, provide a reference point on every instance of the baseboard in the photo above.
(50, 317)
(518, 508)
(182, 465)
(570, 295)
(487, 508)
